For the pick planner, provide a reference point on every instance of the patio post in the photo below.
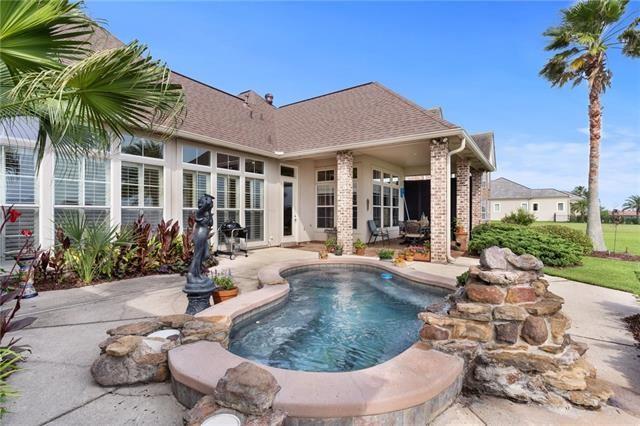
(462, 192)
(476, 197)
(344, 211)
(440, 235)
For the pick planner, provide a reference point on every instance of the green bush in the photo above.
(550, 249)
(569, 234)
(519, 217)
(385, 254)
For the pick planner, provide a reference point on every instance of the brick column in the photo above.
(344, 210)
(440, 237)
(462, 192)
(476, 197)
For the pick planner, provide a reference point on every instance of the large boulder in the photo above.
(494, 257)
(132, 368)
(247, 388)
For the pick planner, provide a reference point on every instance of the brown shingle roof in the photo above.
(357, 114)
(485, 143)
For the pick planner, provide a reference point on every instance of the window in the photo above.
(198, 156)
(535, 207)
(141, 193)
(386, 199)
(325, 200)
(326, 176)
(228, 162)
(560, 207)
(18, 188)
(228, 207)
(81, 188)
(287, 171)
(496, 207)
(194, 186)
(254, 166)
(524, 206)
(254, 208)
(134, 145)
(354, 221)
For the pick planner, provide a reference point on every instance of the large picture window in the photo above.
(81, 188)
(144, 147)
(194, 185)
(141, 193)
(386, 199)
(17, 188)
(197, 156)
(325, 199)
(228, 162)
(254, 208)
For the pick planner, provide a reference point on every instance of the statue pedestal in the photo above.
(198, 294)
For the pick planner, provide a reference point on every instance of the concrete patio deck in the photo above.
(56, 386)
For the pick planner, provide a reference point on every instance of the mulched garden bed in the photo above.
(633, 323)
(619, 256)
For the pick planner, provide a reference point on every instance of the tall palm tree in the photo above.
(589, 30)
(80, 99)
(580, 206)
(633, 203)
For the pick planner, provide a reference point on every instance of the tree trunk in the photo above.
(594, 224)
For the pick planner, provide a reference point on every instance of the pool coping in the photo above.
(417, 383)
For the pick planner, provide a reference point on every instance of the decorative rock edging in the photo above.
(133, 355)
(511, 331)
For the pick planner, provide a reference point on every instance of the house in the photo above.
(547, 204)
(290, 173)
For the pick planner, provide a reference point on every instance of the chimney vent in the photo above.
(269, 98)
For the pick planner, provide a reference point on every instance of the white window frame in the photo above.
(251, 209)
(329, 183)
(558, 204)
(134, 158)
(191, 166)
(354, 209)
(393, 184)
(82, 207)
(251, 174)
(497, 207)
(194, 188)
(141, 205)
(524, 206)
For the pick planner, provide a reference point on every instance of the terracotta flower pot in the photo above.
(222, 295)
(409, 257)
(422, 257)
(360, 251)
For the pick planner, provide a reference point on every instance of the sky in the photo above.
(479, 61)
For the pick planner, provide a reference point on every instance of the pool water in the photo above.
(336, 319)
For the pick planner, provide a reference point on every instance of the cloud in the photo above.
(563, 164)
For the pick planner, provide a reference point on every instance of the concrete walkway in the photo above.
(56, 386)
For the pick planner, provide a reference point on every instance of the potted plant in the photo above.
(323, 254)
(338, 250)
(462, 238)
(226, 288)
(409, 254)
(360, 247)
(330, 245)
(385, 255)
(423, 254)
(399, 261)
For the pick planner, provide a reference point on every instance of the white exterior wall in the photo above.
(547, 208)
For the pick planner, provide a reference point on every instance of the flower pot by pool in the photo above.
(222, 295)
(422, 257)
(360, 251)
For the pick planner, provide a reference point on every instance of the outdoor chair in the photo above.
(375, 232)
(413, 232)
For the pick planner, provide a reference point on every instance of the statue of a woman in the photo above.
(199, 286)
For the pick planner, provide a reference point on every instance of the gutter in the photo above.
(449, 155)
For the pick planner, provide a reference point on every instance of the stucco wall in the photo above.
(547, 208)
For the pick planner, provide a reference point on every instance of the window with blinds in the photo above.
(81, 188)
(325, 201)
(227, 204)
(18, 188)
(194, 185)
(254, 208)
(141, 193)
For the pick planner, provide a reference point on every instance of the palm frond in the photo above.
(37, 35)
(630, 38)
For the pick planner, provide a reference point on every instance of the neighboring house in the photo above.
(290, 173)
(547, 204)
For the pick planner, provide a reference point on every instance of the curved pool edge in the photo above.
(417, 384)
(413, 387)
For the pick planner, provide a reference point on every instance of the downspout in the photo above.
(451, 154)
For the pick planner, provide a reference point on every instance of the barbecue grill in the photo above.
(235, 239)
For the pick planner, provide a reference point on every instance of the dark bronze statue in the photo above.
(199, 286)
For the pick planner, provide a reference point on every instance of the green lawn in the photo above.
(628, 236)
(617, 274)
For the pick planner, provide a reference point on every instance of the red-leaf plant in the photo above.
(10, 285)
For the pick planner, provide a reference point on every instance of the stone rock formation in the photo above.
(129, 355)
(512, 334)
(246, 391)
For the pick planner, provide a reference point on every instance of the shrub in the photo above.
(331, 244)
(359, 244)
(461, 279)
(224, 280)
(569, 234)
(519, 217)
(550, 249)
(385, 254)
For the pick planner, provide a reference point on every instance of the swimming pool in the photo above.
(335, 318)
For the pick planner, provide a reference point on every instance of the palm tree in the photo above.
(580, 206)
(80, 99)
(633, 203)
(589, 30)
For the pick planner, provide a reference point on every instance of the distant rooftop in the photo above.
(503, 188)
